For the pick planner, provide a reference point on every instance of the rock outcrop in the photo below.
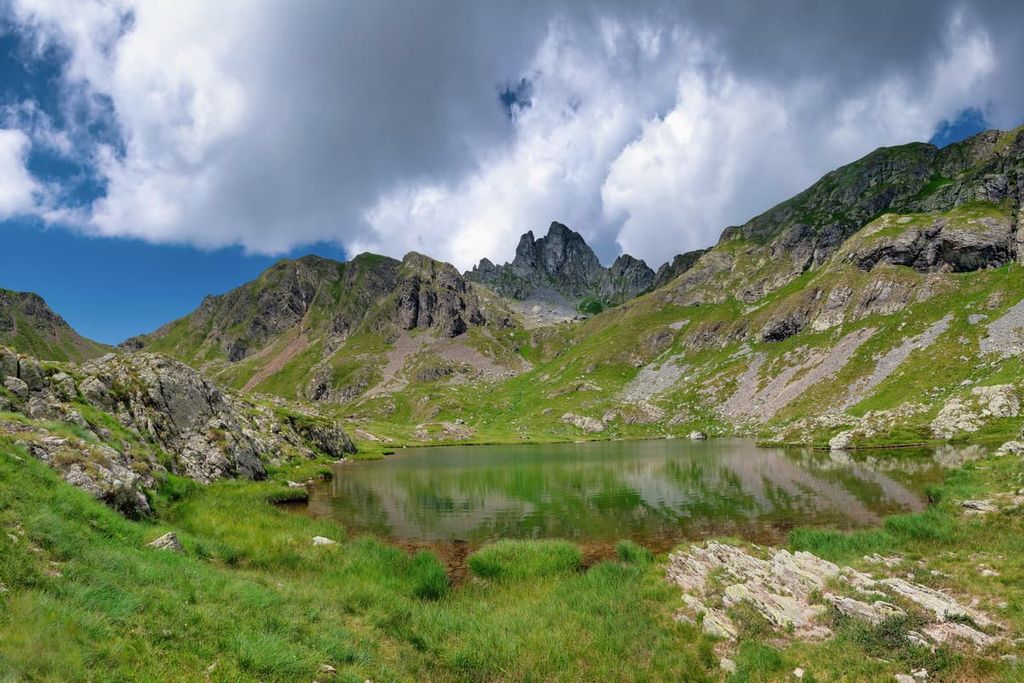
(432, 294)
(793, 592)
(676, 267)
(941, 243)
(168, 417)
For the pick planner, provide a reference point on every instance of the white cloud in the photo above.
(18, 189)
(377, 127)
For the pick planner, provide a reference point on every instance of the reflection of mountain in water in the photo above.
(617, 490)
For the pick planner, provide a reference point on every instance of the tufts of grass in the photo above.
(430, 581)
(633, 553)
(288, 495)
(512, 559)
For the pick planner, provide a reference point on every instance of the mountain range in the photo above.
(881, 303)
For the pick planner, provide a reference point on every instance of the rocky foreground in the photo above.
(116, 426)
(728, 589)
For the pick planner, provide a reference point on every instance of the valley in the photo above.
(800, 450)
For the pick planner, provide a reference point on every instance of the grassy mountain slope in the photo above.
(28, 325)
(892, 334)
(322, 330)
(877, 303)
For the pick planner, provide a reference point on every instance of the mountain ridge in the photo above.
(840, 286)
(29, 325)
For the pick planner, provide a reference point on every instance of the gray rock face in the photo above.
(564, 263)
(785, 326)
(8, 363)
(63, 385)
(171, 408)
(31, 373)
(676, 267)
(98, 469)
(591, 425)
(180, 410)
(788, 590)
(985, 243)
(433, 294)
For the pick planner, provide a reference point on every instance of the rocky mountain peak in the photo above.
(562, 264)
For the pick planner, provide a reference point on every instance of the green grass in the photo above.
(254, 599)
(514, 560)
(253, 595)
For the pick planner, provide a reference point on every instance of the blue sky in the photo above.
(112, 288)
(156, 152)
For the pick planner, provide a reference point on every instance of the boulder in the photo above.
(323, 540)
(96, 392)
(17, 387)
(1011, 448)
(31, 373)
(168, 541)
(698, 435)
(8, 363)
(591, 425)
(63, 386)
(841, 441)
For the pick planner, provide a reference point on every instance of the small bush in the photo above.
(633, 553)
(591, 305)
(510, 559)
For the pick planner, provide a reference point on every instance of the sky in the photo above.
(155, 152)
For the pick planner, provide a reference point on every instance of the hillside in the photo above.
(27, 324)
(881, 304)
(317, 329)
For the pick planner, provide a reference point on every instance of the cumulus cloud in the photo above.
(19, 188)
(450, 128)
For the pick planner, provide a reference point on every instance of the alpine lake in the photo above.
(657, 493)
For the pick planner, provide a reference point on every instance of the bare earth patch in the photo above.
(294, 348)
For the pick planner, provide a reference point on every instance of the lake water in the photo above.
(656, 493)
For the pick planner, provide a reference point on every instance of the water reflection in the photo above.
(656, 492)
